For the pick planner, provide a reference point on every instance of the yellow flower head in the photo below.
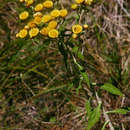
(37, 14)
(53, 33)
(85, 26)
(74, 6)
(77, 28)
(26, 27)
(48, 4)
(46, 18)
(31, 24)
(21, 0)
(29, 2)
(74, 35)
(63, 12)
(23, 33)
(17, 35)
(79, 1)
(33, 32)
(37, 20)
(44, 31)
(52, 24)
(24, 15)
(38, 7)
(88, 2)
(55, 13)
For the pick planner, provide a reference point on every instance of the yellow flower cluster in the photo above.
(44, 24)
(75, 5)
(27, 2)
(77, 28)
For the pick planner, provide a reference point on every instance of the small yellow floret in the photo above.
(26, 27)
(88, 2)
(77, 28)
(38, 14)
(37, 20)
(24, 15)
(46, 18)
(29, 2)
(38, 7)
(85, 26)
(21, 0)
(53, 33)
(17, 35)
(52, 24)
(44, 31)
(23, 33)
(55, 13)
(74, 6)
(31, 24)
(74, 35)
(79, 1)
(33, 32)
(48, 4)
(63, 12)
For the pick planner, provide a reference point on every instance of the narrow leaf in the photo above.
(119, 111)
(94, 117)
(103, 128)
(85, 76)
(88, 108)
(111, 89)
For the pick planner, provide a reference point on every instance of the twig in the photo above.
(121, 5)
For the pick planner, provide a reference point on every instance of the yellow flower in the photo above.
(26, 27)
(52, 24)
(17, 35)
(24, 15)
(23, 33)
(37, 14)
(77, 28)
(29, 2)
(55, 13)
(63, 12)
(88, 2)
(53, 33)
(74, 35)
(37, 20)
(31, 24)
(46, 18)
(44, 31)
(74, 6)
(79, 1)
(85, 26)
(48, 4)
(21, 0)
(38, 7)
(33, 32)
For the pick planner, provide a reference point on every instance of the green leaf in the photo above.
(94, 117)
(119, 111)
(111, 89)
(85, 76)
(75, 49)
(103, 128)
(88, 108)
(80, 55)
(52, 119)
(78, 88)
(79, 66)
